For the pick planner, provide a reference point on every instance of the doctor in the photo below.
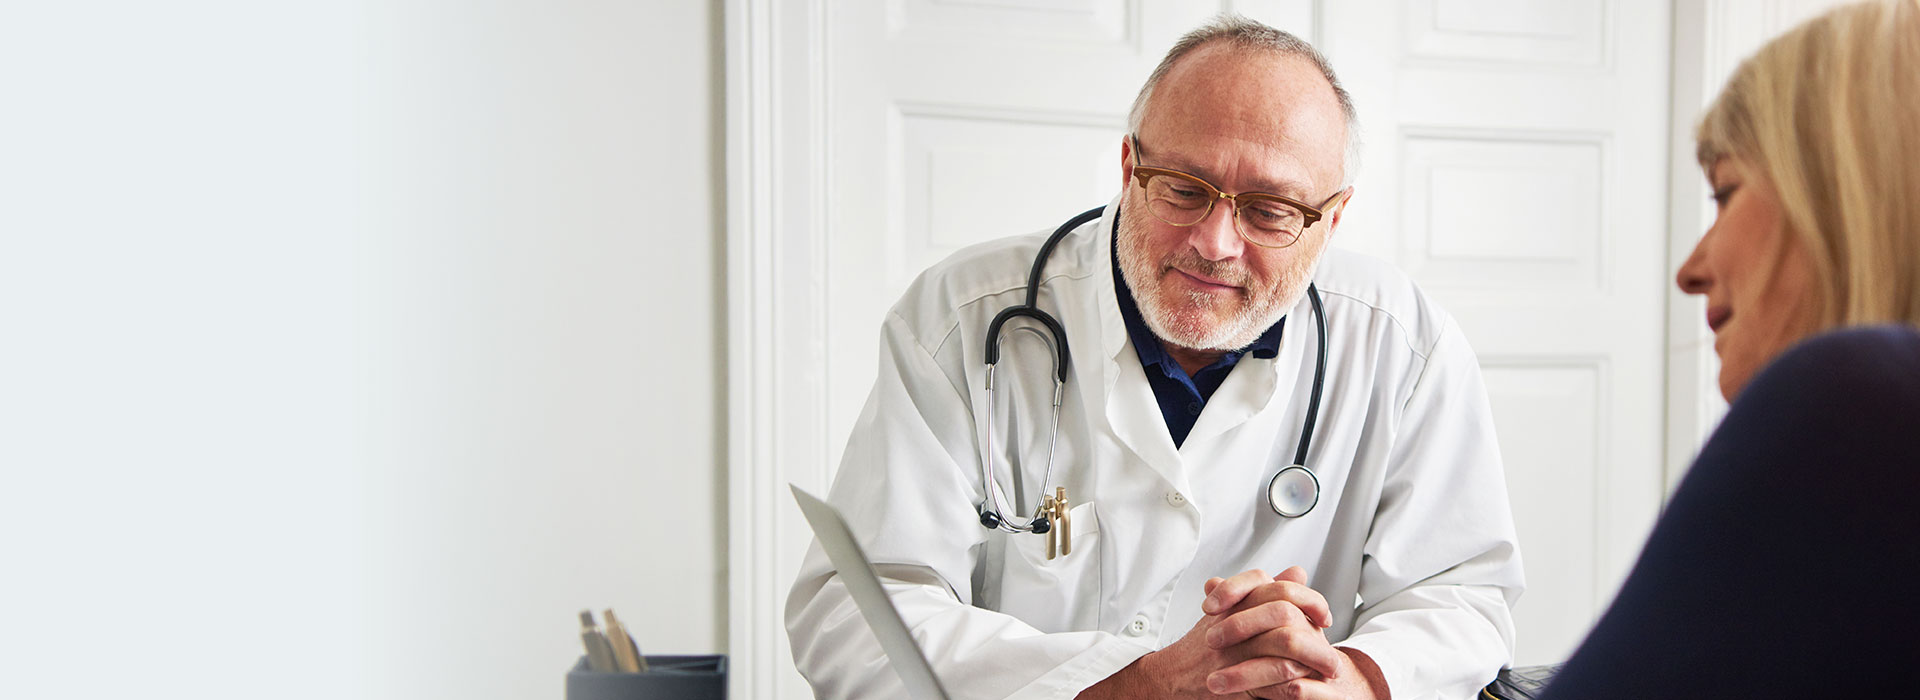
(1192, 359)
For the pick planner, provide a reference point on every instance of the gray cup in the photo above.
(667, 678)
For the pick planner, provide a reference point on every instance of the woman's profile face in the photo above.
(1757, 281)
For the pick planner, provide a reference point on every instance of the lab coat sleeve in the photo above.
(907, 486)
(1440, 570)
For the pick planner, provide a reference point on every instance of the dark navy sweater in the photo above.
(1787, 564)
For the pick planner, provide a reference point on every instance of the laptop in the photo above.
(857, 571)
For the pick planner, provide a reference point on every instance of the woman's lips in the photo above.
(1717, 317)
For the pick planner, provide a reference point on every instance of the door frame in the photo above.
(776, 318)
(1710, 39)
(1693, 399)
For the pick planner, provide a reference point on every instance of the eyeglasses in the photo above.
(1265, 220)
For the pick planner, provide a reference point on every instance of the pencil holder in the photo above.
(667, 677)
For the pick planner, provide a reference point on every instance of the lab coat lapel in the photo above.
(1245, 393)
(1136, 419)
(1131, 410)
(1254, 382)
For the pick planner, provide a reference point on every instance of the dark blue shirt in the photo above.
(1181, 397)
(1784, 565)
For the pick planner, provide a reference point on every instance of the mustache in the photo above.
(1189, 261)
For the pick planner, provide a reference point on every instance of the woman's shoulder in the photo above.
(1861, 367)
(1890, 340)
(1791, 506)
(1845, 402)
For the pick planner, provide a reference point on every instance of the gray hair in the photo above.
(1243, 33)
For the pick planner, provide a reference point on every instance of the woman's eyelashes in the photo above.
(1723, 193)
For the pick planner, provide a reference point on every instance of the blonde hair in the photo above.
(1830, 113)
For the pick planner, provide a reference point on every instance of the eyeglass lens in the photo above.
(1185, 201)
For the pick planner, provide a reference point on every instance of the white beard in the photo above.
(1202, 321)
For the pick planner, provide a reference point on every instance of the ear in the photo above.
(1339, 210)
(1126, 162)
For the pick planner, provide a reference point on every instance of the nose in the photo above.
(1215, 237)
(1693, 277)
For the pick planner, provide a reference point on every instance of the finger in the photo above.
(1309, 647)
(1308, 600)
(1316, 605)
(1211, 584)
(1229, 592)
(1304, 689)
(1254, 674)
(1293, 573)
(1247, 623)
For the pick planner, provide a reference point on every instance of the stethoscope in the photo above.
(1291, 493)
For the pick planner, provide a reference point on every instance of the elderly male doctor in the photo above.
(1193, 348)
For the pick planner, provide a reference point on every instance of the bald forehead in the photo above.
(1253, 96)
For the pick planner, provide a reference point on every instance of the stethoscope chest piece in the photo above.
(1293, 492)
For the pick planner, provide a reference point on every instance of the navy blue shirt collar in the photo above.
(1181, 397)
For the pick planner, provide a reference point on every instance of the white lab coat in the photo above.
(1412, 541)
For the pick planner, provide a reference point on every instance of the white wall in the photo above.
(349, 350)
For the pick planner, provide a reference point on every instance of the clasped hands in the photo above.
(1261, 637)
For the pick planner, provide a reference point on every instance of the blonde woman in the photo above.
(1785, 565)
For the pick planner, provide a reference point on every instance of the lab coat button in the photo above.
(1176, 499)
(1138, 626)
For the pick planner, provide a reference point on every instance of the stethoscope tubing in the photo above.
(991, 517)
(991, 508)
(1319, 378)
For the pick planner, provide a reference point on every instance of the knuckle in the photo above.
(1228, 678)
(1274, 615)
(1233, 627)
(1288, 614)
(1280, 643)
(1303, 592)
(1278, 670)
(1269, 593)
(1294, 669)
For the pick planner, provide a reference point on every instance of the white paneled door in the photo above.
(955, 122)
(1516, 165)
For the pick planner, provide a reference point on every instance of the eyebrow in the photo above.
(1713, 168)
(1292, 189)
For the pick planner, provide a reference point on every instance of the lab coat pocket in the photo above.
(1059, 594)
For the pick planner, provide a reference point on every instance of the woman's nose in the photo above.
(1693, 277)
